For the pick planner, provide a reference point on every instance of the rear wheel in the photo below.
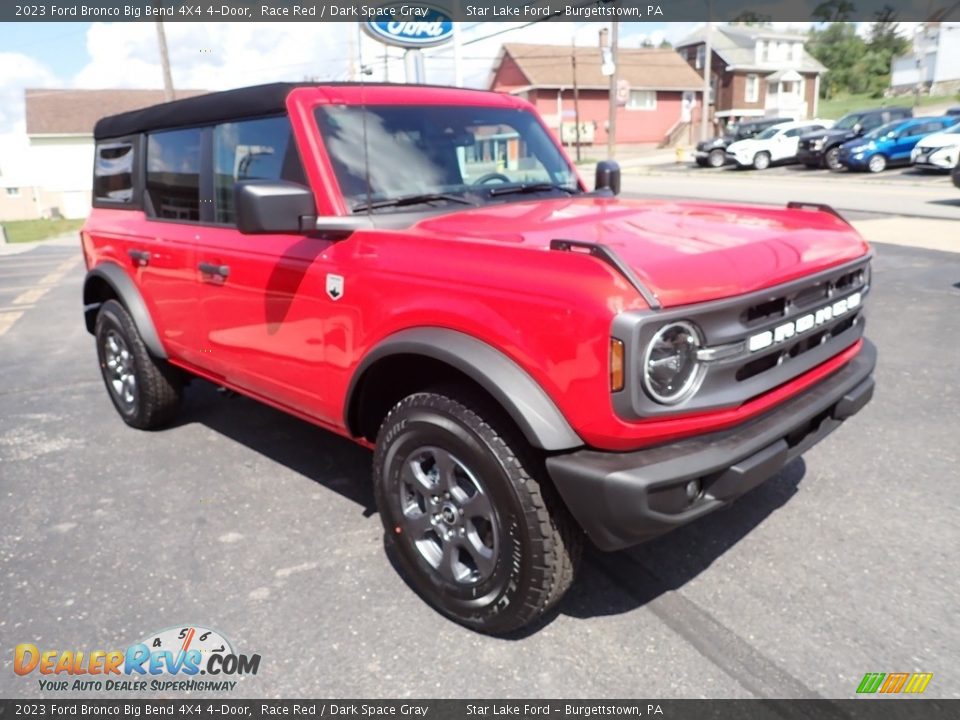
(832, 159)
(761, 161)
(716, 158)
(478, 535)
(144, 390)
(877, 163)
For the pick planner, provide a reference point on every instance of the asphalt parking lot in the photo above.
(245, 520)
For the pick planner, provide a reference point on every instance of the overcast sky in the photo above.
(218, 56)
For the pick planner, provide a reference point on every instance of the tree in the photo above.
(832, 11)
(751, 18)
(664, 44)
(839, 48)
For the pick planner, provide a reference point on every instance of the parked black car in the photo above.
(956, 175)
(955, 110)
(822, 148)
(711, 152)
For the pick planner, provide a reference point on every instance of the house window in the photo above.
(701, 56)
(642, 100)
(752, 89)
(13, 191)
(761, 51)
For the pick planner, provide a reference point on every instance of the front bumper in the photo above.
(808, 156)
(621, 499)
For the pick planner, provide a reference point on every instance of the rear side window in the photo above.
(113, 172)
(261, 149)
(173, 174)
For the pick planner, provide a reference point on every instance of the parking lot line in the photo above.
(7, 319)
(29, 297)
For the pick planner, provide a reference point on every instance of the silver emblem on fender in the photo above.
(334, 286)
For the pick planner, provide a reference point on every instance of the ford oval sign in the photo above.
(411, 26)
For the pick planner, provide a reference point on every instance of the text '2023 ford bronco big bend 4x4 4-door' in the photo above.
(421, 269)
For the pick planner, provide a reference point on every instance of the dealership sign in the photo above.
(411, 26)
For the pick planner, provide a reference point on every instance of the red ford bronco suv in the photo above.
(422, 269)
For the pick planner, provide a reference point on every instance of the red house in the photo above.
(658, 93)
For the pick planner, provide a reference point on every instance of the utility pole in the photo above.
(920, 50)
(576, 103)
(707, 57)
(614, 103)
(168, 94)
(352, 66)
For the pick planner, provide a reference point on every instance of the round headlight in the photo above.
(671, 371)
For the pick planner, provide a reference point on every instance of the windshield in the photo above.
(768, 133)
(440, 151)
(883, 130)
(847, 122)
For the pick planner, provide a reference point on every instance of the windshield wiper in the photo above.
(417, 199)
(529, 188)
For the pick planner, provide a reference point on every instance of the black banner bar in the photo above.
(874, 708)
(476, 10)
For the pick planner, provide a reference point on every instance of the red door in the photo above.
(269, 326)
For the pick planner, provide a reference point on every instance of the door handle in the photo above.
(213, 269)
(141, 257)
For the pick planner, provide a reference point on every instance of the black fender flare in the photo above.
(128, 294)
(541, 422)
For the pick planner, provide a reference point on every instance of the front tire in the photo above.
(832, 159)
(717, 158)
(144, 390)
(761, 161)
(877, 163)
(479, 537)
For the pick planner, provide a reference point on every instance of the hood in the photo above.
(684, 252)
(715, 142)
(858, 142)
(830, 134)
(744, 144)
(940, 139)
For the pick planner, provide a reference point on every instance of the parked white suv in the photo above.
(939, 151)
(777, 144)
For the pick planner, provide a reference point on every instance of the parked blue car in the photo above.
(890, 144)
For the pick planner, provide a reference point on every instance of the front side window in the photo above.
(173, 174)
(251, 150)
(113, 172)
(470, 153)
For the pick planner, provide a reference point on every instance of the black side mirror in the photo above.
(273, 206)
(608, 176)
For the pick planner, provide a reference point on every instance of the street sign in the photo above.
(607, 66)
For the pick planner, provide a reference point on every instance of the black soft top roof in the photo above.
(199, 110)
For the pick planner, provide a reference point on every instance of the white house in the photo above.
(935, 59)
(19, 197)
(59, 143)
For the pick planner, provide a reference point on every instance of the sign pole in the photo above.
(614, 100)
(413, 66)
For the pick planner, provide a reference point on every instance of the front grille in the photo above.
(807, 343)
(794, 322)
